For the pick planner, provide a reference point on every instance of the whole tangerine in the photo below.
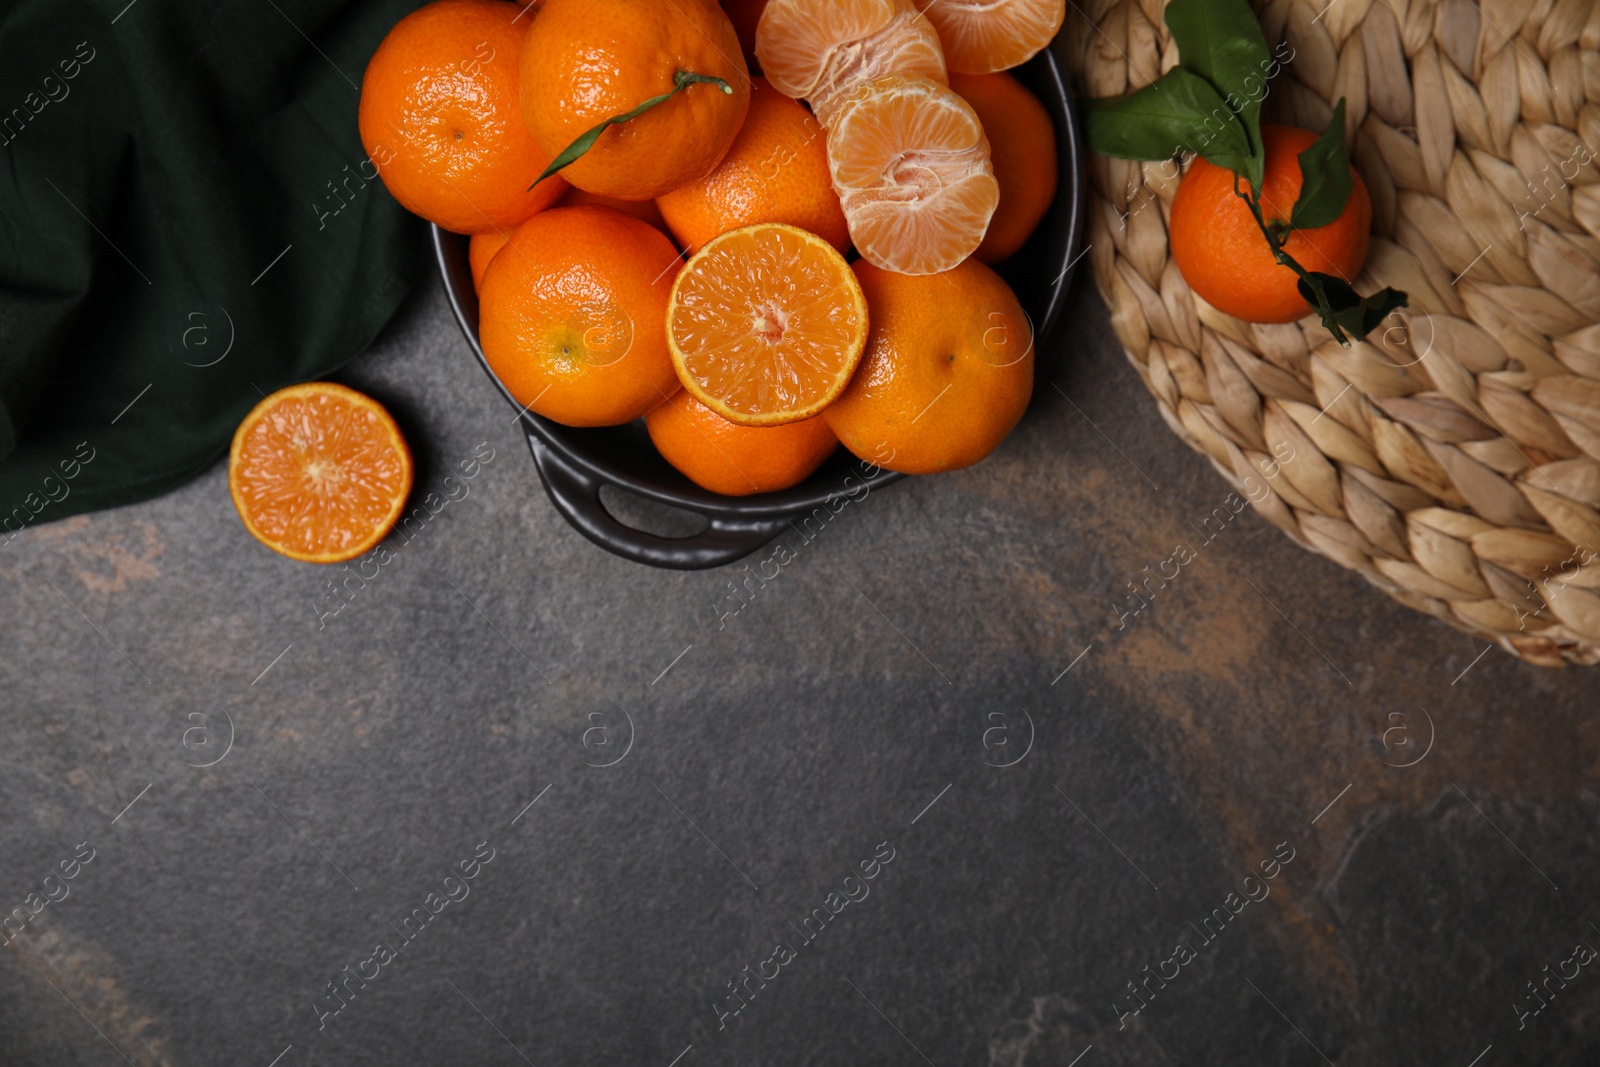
(735, 460)
(776, 171)
(481, 250)
(643, 210)
(440, 118)
(572, 316)
(1022, 147)
(947, 373)
(1222, 253)
(587, 61)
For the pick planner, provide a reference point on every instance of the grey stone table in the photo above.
(924, 794)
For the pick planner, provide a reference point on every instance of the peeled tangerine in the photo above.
(983, 36)
(911, 166)
(823, 50)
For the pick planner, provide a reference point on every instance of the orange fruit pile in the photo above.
(481, 249)
(1218, 247)
(657, 234)
(911, 159)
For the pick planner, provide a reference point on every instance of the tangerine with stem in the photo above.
(640, 95)
(1223, 255)
(439, 116)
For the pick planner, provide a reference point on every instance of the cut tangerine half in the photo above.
(766, 324)
(822, 50)
(911, 165)
(983, 36)
(319, 472)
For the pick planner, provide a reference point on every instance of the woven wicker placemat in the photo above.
(1453, 458)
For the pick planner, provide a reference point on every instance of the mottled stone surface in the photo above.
(703, 781)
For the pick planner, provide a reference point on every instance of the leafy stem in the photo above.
(1343, 310)
(680, 81)
(1276, 234)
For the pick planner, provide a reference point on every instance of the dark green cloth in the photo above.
(187, 222)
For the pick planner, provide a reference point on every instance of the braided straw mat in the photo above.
(1453, 458)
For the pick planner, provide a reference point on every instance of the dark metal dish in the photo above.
(575, 463)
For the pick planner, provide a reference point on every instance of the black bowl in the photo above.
(575, 463)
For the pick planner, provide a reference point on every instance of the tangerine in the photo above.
(735, 460)
(643, 210)
(983, 36)
(948, 369)
(480, 250)
(823, 51)
(1225, 258)
(588, 61)
(776, 171)
(440, 118)
(911, 165)
(1022, 147)
(766, 324)
(319, 472)
(570, 315)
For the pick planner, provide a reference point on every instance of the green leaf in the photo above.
(1343, 310)
(1222, 42)
(1177, 111)
(680, 81)
(1324, 177)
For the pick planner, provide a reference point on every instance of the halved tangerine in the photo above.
(983, 36)
(766, 324)
(823, 50)
(911, 165)
(319, 472)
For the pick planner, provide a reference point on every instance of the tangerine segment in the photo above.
(319, 472)
(983, 36)
(766, 324)
(910, 162)
(824, 50)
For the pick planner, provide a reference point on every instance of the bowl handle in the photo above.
(576, 496)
